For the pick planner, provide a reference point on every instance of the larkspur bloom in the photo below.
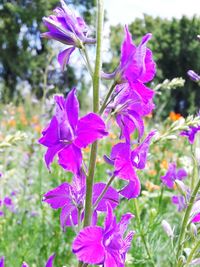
(136, 66)
(191, 133)
(193, 76)
(106, 246)
(71, 198)
(172, 175)
(179, 201)
(66, 134)
(125, 161)
(129, 109)
(65, 27)
(195, 212)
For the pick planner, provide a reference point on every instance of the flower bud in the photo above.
(167, 228)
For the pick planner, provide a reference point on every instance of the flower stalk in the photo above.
(96, 86)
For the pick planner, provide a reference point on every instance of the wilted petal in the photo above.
(110, 196)
(50, 261)
(63, 57)
(88, 245)
(70, 158)
(59, 196)
(89, 128)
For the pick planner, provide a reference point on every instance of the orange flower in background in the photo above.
(87, 149)
(38, 128)
(11, 123)
(35, 119)
(174, 116)
(151, 187)
(152, 172)
(112, 135)
(164, 164)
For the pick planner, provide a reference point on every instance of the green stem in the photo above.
(107, 98)
(103, 192)
(87, 60)
(137, 215)
(185, 219)
(96, 86)
(192, 252)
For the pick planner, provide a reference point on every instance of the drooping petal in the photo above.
(110, 196)
(88, 245)
(63, 57)
(51, 153)
(70, 158)
(89, 128)
(50, 260)
(72, 108)
(132, 190)
(59, 196)
(50, 136)
(145, 92)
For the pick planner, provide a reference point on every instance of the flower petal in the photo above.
(110, 260)
(110, 196)
(72, 108)
(89, 128)
(2, 259)
(145, 92)
(51, 153)
(132, 190)
(59, 196)
(63, 57)
(50, 134)
(50, 260)
(88, 245)
(70, 158)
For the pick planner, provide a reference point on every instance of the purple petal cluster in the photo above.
(67, 28)
(137, 66)
(191, 133)
(173, 174)
(129, 110)
(66, 134)
(8, 203)
(106, 246)
(71, 199)
(125, 161)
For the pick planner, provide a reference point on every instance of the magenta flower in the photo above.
(136, 65)
(106, 246)
(2, 259)
(173, 174)
(179, 201)
(71, 198)
(191, 133)
(67, 134)
(68, 29)
(126, 160)
(129, 110)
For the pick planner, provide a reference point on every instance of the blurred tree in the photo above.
(23, 56)
(175, 50)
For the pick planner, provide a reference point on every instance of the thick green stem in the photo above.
(137, 215)
(96, 86)
(185, 219)
(107, 98)
(103, 192)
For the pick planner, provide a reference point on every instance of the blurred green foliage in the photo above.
(175, 51)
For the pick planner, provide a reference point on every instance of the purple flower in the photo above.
(2, 259)
(179, 201)
(136, 65)
(129, 109)
(126, 160)
(193, 76)
(191, 133)
(173, 174)
(70, 198)
(195, 212)
(107, 246)
(67, 134)
(68, 29)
